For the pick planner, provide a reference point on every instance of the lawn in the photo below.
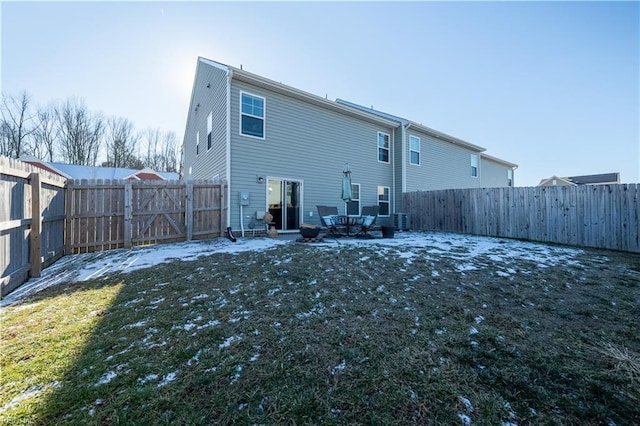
(422, 329)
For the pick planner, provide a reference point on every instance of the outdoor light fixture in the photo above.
(259, 179)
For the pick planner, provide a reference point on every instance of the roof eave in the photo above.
(266, 83)
(499, 160)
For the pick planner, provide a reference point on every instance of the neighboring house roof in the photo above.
(75, 171)
(555, 180)
(599, 179)
(409, 123)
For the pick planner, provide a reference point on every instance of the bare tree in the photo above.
(45, 136)
(151, 145)
(17, 124)
(120, 142)
(169, 153)
(80, 132)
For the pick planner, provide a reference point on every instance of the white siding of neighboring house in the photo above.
(443, 165)
(494, 174)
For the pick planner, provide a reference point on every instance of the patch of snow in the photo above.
(148, 378)
(138, 324)
(106, 378)
(435, 273)
(200, 296)
(167, 379)
(339, 367)
(473, 330)
(502, 274)
(29, 393)
(466, 420)
(467, 404)
(229, 341)
(480, 318)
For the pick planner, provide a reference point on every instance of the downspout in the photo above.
(228, 146)
(393, 173)
(404, 156)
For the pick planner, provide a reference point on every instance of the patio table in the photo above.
(349, 221)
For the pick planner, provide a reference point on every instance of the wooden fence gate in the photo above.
(104, 214)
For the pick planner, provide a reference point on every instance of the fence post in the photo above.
(128, 216)
(189, 211)
(36, 225)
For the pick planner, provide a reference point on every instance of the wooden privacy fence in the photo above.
(602, 216)
(104, 214)
(31, 221)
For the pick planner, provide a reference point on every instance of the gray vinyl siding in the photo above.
(494, 174)
(443, 165)
(397, 154)
(307, 143)
(207, 163)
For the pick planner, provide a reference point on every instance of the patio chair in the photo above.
(368, 221)
(329, 220)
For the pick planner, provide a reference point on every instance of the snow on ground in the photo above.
(465, 248)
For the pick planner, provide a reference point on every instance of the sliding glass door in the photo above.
(284, 202)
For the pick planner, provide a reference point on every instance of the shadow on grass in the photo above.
(354, 335)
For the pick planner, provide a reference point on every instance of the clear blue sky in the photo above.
(551, 86)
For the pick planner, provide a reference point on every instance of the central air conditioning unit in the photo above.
(401, 221)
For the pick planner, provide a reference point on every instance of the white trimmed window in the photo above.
(198, 142)
(509, 177)
(383, 200)
(383, 147)
(209, 129)
(353, 206)
(414, 150)
(252, 115)
(474, 165)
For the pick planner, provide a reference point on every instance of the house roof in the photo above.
(593, 179)
(566, 181)
(585, 180)
(265, 83)
(75, 171)
(424, 129)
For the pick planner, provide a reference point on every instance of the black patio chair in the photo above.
(368, 221)
(329, 220)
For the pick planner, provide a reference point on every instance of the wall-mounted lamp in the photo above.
(259, 179)
(208, 85)
(196, 108)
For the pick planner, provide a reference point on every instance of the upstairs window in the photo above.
(197, 142)
(474, 165)
(510, 177)
(383, 200)
(209, 129)
(383, 147)
(251, 115)
(414, 150)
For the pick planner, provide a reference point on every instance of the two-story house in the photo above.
(283, 150)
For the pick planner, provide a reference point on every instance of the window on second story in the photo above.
(209, 129)
(474, 165)
(251, 115)
(383, 200)
(414, 150)
(510, 177)
(383, 147)
(197, 142)
(353, 206)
